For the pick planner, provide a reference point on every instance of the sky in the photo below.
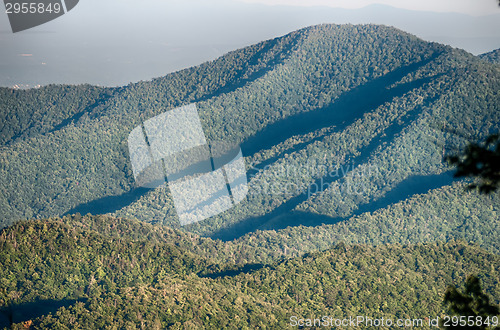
(471, 7)
(115, 42)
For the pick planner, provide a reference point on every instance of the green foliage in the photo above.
(472, 303)
(493, 56)
(120, 273)
(384, 103)
(481, 161)
(238, 95)
(383, 148)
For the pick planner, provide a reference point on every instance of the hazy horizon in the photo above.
(129, 41)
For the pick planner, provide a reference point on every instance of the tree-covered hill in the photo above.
(100, 272)
(351, 209)
(333, 120)
(493, 56)
(29, 113)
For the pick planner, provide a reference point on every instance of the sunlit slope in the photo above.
(322, 99)
(97, 272)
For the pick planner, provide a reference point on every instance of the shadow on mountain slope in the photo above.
(345, 110)
(348, 107)
(280, 48)
(23, 312)
(396, 91)
(245, 269)
(74, 118)
(251, 224)
(417, 184)
(109, 204)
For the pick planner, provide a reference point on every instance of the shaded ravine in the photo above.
(348, 107)
(395, 92)
(417, 184)
(413, 185)
(245, 226)
(22, 312)
(344, 111)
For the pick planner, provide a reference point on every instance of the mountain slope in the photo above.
(95, 272)
(493, 56)
(398, 142)
(39, 111)
(317, 112)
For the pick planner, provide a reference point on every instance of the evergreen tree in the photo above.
(472, 304)
(481, 161)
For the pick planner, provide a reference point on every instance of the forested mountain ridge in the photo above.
(372, 103)
(402, 135)
(97, 271)
(351, 208)
(28, 113)
(493, 56)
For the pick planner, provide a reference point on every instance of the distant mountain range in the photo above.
(169, 36)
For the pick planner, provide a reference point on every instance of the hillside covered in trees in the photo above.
(351, 208)
(96, 271)
(317, 112)
(493, 56)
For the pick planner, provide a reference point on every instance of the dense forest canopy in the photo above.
(352, 207)
(338, 98)
(96, 271)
